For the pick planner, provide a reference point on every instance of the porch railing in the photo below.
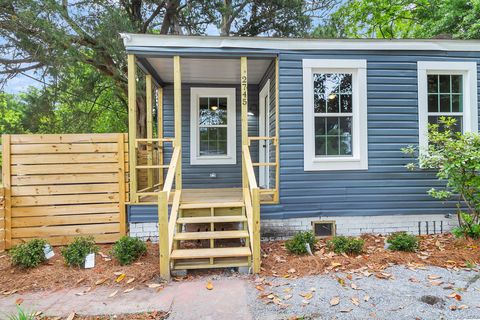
(251, 196)
(166, 226)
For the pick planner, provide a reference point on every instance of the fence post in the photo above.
(256, 229)
(163, 234)
(7, 184)
(121, 184)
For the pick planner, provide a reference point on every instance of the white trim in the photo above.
(136, 41)
(231, 157)
(359, 159)
(263, 126)
(470, 98)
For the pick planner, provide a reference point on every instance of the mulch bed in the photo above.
(438, 250)
(441, 250)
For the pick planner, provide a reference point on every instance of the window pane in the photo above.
(444, 83)
(457, 83)
(433, 102)
(346, 103)
(457, 103)
(319, 103)
(444, 103)
(332, 146)
(346, 136)
(432, 83)
(213, 111)
(332, 103)
(320, 145)
(213, 141)
(332, 126)
(320, 123)
(345, 83)
(436, 120)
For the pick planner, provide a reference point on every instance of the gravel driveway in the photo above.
(427, 293)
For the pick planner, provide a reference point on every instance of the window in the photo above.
(335, 115)
(447, 89)
(212, 132)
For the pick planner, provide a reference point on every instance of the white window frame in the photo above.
(470, 104)
(231, 156)
(359, 158)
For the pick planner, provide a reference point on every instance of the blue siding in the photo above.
(387, 187)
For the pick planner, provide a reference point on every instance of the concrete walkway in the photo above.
(184, 300)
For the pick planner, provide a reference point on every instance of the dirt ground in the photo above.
(437, 250)
(441, 250)
(137, 316)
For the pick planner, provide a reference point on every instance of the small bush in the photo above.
(297, 243)
(76, 252)
(128, 249)
(28, 255)
(348, 245)
(401, 241)
(468, 229)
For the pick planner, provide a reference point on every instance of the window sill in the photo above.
(333, 164)
(213, 160)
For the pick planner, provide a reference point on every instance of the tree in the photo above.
(48, 37)
(410, 18)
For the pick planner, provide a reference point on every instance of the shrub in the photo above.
(468, 229)
(76, 252)
(456, 159)
(349, 245)
(28, 255)
(298, 243)
(401, 241)
(128, 249)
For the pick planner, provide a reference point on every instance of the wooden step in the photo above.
(210, 253)
(201, 205)
(233, 234)
(205, 263)
(210, 219)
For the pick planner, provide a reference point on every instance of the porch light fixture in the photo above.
(332, 96)
(214, 108)
(250, 113)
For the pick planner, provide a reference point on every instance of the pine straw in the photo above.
(54, 274)
(440, 250)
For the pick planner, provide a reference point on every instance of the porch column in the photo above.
(244, 105)
(160, 132)
(149, 106)
(132, 125)
(177, 101)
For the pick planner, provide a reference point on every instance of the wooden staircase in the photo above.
(211, 234)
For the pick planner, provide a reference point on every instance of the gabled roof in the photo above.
(148, 41)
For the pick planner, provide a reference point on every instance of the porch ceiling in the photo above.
(209, 71)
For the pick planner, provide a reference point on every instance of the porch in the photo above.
(196, 137)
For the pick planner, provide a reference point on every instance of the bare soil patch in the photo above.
(441, 250)
(155, 315)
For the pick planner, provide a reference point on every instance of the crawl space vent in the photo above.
(323, 229)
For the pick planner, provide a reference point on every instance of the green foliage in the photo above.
(298, 243)
(128, 249)
(456, 159)
(29, 254)
(76, 252)
(21, 315)
(348, 245)
(402, 241)
(468, 229)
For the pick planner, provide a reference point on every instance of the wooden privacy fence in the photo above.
(61, 186)
(2, 218)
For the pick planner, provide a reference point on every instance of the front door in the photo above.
(264, 145)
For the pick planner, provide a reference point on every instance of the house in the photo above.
(287, 132)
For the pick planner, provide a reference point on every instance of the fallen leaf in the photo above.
(346, 310)
(462, 307)
(79, 281)
(209, 285)
(118, 273)
(113, 294)
(154, 285)
(354, 286)
(433, 277)
(453, 308)
(99, 282)
(355, 301)
(128, 290)
(334, 301)
(366, 298)
(436, 283)
(287, 297)
(130, 280)
(292, 270)
(287, 290)
(260, 288)
(71, 316)
(120, 277)
(19, 301)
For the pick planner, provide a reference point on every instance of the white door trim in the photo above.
(263, 128)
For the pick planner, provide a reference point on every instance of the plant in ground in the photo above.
(21, 315)
(76, 252)
(348, 245)
(298, 244)
(456, 159)
(28, 255)
(128, 249)
(402, 241)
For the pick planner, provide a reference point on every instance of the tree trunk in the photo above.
(226, 18)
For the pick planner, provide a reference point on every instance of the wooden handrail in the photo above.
(247, 159)
(172, 222)
(171, 170)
